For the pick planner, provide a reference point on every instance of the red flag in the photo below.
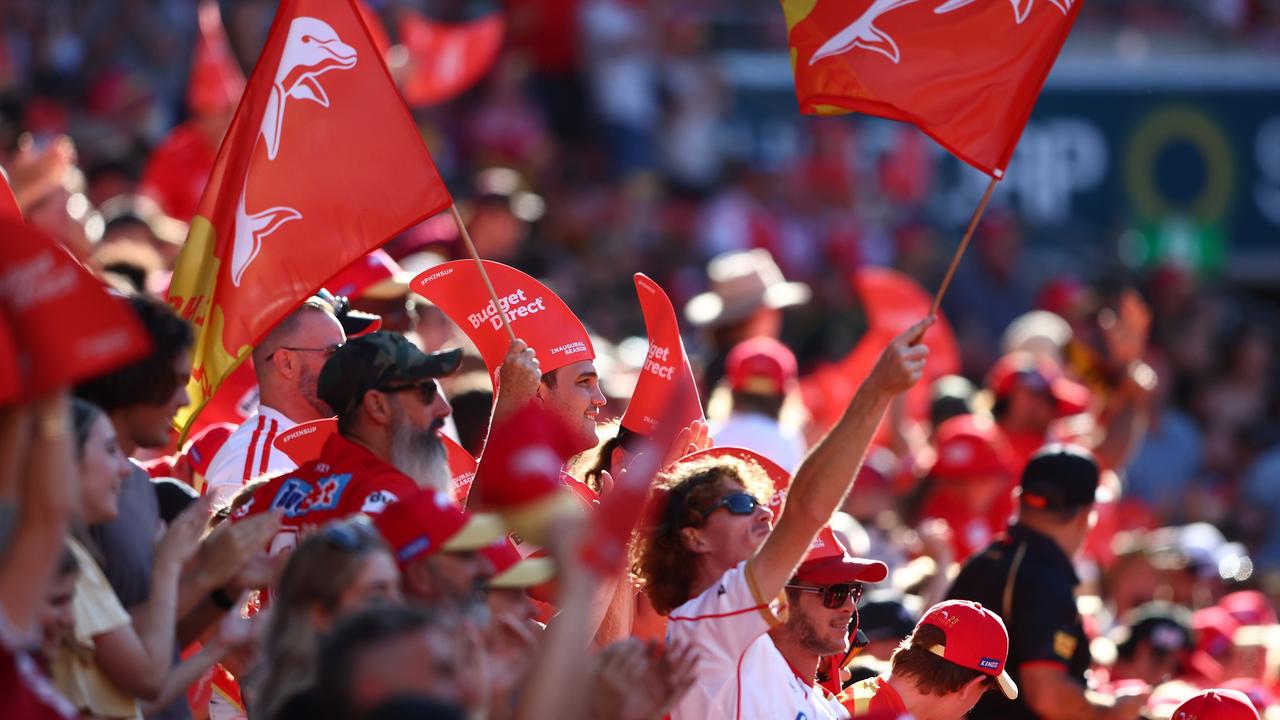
(462, 467)
(447, 59)
(967, 73)
(376, 30)
(216, 81)
(321, 164)
(892, 302)
(66, 327)
(8, 203)
(666, 367)
(536, 314)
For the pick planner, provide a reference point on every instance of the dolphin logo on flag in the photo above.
(312, 48)
(1021, 8)
(862, 33)
(251, 229)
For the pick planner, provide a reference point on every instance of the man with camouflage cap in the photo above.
(389, 408)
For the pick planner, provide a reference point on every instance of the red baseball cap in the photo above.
(511, 571)
(201, 448)
(1217, 704)
(761, 366)
(429, 522)
(829, 563)
(374, 276)
(1249, 607)
(976, 639)
(971, 446)
(1023, 369)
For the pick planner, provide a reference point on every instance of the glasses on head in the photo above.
(427, 390)
(834, 596)
(351, 535)
(327, 350)
(739, 503)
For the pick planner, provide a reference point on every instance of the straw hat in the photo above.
(741, 283)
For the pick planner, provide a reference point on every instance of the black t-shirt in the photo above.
(1027, 580)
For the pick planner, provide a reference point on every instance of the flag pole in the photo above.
(964, 243)
(484, 275)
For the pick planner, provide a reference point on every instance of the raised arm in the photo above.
(825, 476)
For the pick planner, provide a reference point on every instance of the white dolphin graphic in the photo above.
(312, 48)
(251, 229)
(1021, 8)
(862, 33)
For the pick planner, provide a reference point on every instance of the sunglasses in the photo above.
(327, 350)
(834, 596)
(427, 390)
(738, 503)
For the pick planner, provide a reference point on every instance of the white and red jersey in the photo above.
(248, 453)
(741, 674)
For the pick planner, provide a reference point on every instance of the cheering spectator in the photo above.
(331, 574)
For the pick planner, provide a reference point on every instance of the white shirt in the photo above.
(763, 434)
(248, 453)
(741, 674)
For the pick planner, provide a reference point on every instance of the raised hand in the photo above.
(232, 553)
(518, 379)
(901, 365)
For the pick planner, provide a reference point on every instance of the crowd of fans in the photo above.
(140, 578)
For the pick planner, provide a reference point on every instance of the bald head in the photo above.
(287, 361)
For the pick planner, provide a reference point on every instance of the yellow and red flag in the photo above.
(966, 72)
(322, 163)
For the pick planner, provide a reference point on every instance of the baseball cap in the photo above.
(1217, 704)
(201, 448)
(976, 639)
(828, 563)
(971, 446)
(1060, 477)
(1164, 626)
(883, 616)
(429, 522)
(374, 276)
(1249, 607)
(378, 360)
(354, 322)
(1022, 369)
(511, 571)
(760, 366)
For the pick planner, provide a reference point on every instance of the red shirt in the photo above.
(873, 698)
(26, 692)
(346, 479)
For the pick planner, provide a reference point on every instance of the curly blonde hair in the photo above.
(682, 497)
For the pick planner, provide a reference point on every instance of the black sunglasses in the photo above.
(738, 503)
(427, 390)
(834, 596)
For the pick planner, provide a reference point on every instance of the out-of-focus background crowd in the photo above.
(619, 136)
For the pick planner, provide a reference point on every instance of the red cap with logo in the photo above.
(429, 522)
(1218, 704)
(537, 315)
(1023, 369)
(201, 449)
(829, 563)
(761, 366)
(976, 639)
(970, 447)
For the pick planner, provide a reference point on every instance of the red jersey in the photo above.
(873, 698)
(346, 479)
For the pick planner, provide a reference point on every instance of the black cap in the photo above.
(1060, 477)
(354, 322)
(1164, 626)
(378, 361)
(882, 616)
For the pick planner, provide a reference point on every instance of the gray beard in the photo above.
(420, 455)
